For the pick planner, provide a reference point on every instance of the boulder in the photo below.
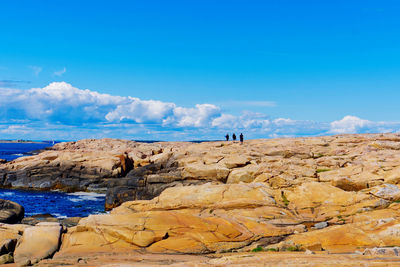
(386, 191)
(38, 242)
(320, 225)
(236, 161)
(245, 174)
(216, 172)
(11, 212)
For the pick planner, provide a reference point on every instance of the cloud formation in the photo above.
(60, 72)
(61, 111)
(352, 125)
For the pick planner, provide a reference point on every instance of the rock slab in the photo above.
(38, 242)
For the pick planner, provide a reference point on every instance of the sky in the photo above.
(198, 69)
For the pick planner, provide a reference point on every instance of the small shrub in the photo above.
(318, 155)
(257, 249)
(377, 146)
(293, 248)
(284, 199)
(272, 249)
(322, 170)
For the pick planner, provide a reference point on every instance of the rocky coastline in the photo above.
(314, 197)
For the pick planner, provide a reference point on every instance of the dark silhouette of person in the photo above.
(227, 137)
(234, 137)
(241, 138)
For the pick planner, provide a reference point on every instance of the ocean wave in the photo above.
(60, 204)
(59, 216)
(85, 196)
(7, 194)
(18, 154)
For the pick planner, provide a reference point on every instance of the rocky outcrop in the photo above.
(238, 217)
(318, 195)
(69, 166)
(11, 212)
(191, 219)
(375, 228)
(138, 171)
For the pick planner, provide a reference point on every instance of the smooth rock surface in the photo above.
(191, 219)
(38, 242)
(11, 212)
(336, 194)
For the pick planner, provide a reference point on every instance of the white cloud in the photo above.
(225, 121)
(283, 121)
(60, 72)
(260, 125)
(62, 111)
(36, 70)
(200, 116)
(57, 102)
(141, 111)
(349, 124)
(60, 102)
(245, 121)
(15, 129)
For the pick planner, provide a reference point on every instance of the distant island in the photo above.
(25, 141)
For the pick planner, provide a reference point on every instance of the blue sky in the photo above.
(267, 68)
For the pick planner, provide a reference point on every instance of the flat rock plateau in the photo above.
(317, 201)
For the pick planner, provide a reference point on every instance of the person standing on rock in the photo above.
(234, 137)
(241, 138)
(227, 137)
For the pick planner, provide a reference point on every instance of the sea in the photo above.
(56, 203)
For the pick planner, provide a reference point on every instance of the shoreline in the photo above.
(23, 142)
(269, 195)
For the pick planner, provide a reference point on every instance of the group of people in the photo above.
(234, 137)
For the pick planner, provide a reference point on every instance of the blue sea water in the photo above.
(11, 151)
(58, 204)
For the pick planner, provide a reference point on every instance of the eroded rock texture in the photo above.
(336, 194)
